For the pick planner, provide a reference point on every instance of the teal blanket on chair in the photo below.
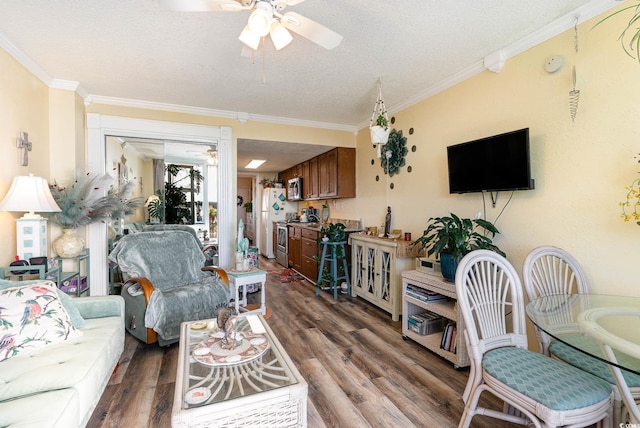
(172, 261)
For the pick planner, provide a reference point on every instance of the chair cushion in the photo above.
(578, 359)
(555, 385)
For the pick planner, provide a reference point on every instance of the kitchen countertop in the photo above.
(318, 226)
(351, 225)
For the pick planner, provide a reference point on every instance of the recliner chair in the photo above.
(210, 251)
(167, 283)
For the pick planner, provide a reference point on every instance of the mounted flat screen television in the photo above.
(491, 164)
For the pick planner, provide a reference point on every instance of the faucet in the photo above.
(313, 218)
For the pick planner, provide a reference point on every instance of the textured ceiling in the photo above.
(135, 50)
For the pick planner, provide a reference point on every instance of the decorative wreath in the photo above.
(393, 153)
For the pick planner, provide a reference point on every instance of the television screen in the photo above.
(491, 164)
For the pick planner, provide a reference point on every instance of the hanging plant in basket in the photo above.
(393, 153)
(379, 125)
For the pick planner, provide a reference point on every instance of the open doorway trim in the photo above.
(99, 126)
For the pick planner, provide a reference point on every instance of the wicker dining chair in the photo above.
(550, 270)
(535, 389)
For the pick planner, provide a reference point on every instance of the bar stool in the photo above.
(330, 254)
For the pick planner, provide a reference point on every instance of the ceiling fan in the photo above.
(266, 18)
(211, 154)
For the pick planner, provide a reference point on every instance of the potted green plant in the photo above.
(248, 207)
(271, 182)
(452, 237)
(630, 36)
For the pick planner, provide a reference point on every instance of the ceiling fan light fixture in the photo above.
(261, 18)
(280, 36)
(250, 38)
(212, 159)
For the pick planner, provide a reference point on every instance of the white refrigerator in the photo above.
(274, 207)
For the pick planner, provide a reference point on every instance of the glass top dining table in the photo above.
(614, 320)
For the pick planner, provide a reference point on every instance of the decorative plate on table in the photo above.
(197, 395)
(209, 352)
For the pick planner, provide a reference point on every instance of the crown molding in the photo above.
(243, 117)
(493, 61)
(25, 60)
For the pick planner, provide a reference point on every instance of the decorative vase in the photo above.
(448, 264)
(325, 213)
(68, 245)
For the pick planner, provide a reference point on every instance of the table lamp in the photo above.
(30, 194)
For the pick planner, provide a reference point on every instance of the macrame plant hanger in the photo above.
(379, 125)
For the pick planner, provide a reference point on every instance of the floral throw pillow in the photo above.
(31, 316)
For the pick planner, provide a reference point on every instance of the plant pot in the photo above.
(379, 135)
(448, 264)
(68, 245)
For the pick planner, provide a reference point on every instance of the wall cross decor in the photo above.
(23, 143)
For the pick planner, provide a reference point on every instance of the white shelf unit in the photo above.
(445, 308)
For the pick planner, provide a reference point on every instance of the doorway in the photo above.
(101, 126)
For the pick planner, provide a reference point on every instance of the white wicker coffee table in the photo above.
(255, 385)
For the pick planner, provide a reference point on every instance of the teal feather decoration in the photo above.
(91, 198)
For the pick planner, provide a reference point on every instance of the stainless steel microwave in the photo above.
(294, 189)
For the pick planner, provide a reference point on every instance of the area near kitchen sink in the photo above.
(303, 246)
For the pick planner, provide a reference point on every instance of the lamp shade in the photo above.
(280, 36)
(260, 19)
(250, 38)
(29, 194)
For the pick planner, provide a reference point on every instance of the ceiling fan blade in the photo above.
(311, 30)
(203, 5)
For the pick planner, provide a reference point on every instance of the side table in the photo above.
(71, 281)
(244, 278)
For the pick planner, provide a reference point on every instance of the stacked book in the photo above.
(422, 294)
(448, 342)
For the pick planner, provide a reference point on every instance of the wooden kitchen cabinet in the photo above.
(294, 248)
(309, 250)
(285, 175)
(376, 270)
(337, 173)
(327, 176)
(310, 179)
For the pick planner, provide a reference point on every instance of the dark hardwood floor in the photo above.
(359, 369)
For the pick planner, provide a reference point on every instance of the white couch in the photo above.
(60, 385)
